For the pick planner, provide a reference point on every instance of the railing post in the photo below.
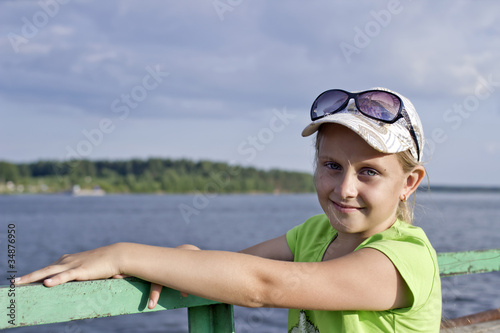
(216, 318)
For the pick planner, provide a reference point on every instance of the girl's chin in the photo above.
(344, 225)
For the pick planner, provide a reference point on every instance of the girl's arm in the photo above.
(276, 248)
(155, 290)
(363, 280)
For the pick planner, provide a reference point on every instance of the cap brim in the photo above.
(386, 138)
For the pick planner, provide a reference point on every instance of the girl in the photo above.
(359, 267)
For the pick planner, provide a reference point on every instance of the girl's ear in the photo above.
(414, 179)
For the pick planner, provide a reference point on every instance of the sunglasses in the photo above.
(375, 104)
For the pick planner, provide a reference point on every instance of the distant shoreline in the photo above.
(460, 189)
(432, 189)
(166, 176)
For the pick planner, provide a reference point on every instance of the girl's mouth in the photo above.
(343, 208)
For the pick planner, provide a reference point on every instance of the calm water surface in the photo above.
(50, 225)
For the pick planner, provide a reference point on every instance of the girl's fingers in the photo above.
(39, 275)
(60, 278)
(154, 295)
(88, 265)
(46, 272)
(50, 282)
(120, 276)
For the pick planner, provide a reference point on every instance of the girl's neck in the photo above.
(341, 246)
(345, 243)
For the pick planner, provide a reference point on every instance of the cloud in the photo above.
(241, 64)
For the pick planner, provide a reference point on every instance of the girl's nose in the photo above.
(346, 188)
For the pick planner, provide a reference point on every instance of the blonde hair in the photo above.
(405, 210)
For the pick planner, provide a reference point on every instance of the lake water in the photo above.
(50, 225)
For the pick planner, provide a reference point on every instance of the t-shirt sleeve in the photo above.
(291, 238)
(415, 261)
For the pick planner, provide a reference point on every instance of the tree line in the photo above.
(152, 175)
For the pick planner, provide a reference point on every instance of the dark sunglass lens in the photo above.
(328, 103)
(379, 104)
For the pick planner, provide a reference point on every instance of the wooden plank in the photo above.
(486, 327)
(36, 304)
(468, 262)
(480, 317)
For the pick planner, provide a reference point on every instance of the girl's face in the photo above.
(358, 187)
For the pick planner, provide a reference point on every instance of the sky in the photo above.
(234, 80)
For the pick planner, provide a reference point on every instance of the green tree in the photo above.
(9, 172)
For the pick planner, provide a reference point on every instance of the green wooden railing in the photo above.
(468, 262)
(35, 304)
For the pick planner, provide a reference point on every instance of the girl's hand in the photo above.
(100, 263)
(154, 294)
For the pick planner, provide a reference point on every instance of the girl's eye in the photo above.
(370, 172)
(332, 166)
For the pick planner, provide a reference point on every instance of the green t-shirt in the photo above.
(410, 251)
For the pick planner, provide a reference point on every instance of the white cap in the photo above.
(384, 137)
